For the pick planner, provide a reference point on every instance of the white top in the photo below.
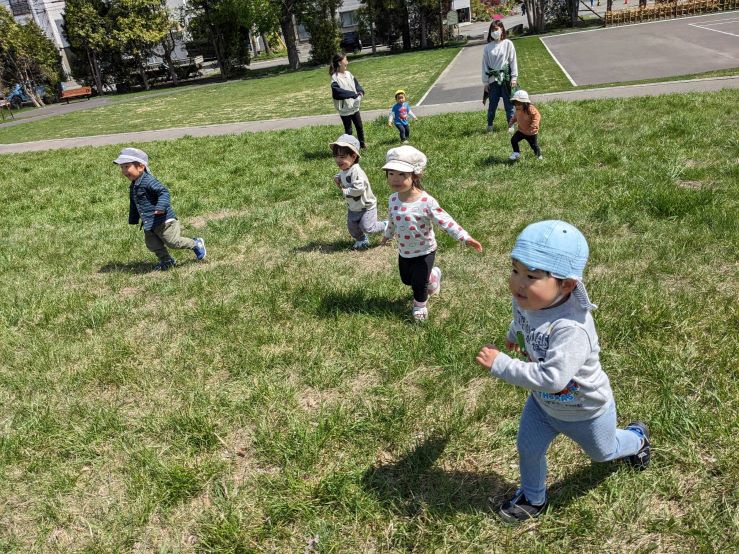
(412, 223)
(356, 189)
(346, 106)
(495, 56)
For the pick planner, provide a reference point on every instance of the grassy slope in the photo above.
(279, 393)
(293, 94)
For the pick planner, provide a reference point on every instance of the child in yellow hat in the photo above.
(400, 112)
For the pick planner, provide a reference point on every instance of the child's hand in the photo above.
(474, 244)
(337, 180)
(159, 212)
(384, 241)
(512, 346)
(487, 355)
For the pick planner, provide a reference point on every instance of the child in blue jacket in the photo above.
(149, 203)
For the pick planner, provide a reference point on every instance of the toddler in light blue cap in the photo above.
(554, 330)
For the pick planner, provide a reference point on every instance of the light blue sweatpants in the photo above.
(598, 437)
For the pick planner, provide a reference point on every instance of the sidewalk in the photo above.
(652, 89)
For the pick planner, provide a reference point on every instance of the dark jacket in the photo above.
(338, 93)
(146, 197)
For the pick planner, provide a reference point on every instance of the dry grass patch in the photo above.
(200, 221)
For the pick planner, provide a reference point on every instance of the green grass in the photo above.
(278, 392)
(284, 95)
(539, 72)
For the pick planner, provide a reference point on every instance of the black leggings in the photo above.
(531, 139)
(415, 273)
(357, 119)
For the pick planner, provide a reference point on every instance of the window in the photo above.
(20, 7)
(348, 19)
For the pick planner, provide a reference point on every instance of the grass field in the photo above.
(285, 95)
(277, 397)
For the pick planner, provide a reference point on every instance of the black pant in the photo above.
(405, 131)
(531, 139)
(415, 273)
(357, 119)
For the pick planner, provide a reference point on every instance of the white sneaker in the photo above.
(511, 129)
(435, 281)
(540, 157)
(490, 129)
(513, 157)
(420, 313)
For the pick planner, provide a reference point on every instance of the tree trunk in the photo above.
(574, 6)
(424, 30)
(95, 68)
(142, 72)
(372, 36)
(30, 90)
(171, 67)
(406, 30)
(265, 40)
(288, 33)
(222, 62)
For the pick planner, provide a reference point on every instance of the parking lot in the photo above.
(648, 50)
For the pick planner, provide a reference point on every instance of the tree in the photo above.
(227, 25)
(319, 18)
(28, 57)
(87, 30)
(287, 10)
(137, 27)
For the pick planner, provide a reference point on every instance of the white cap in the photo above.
(406, 159)
(521, 96)
(129, 155)
(347, 141)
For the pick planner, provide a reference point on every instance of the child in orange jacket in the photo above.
(528, 119)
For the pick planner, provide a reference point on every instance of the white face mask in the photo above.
(496, 35)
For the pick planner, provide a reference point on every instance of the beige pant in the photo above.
(166, 235)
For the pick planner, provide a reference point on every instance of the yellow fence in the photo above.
(668, 10)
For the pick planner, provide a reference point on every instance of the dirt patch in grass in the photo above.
(692, 185)
(201, 221)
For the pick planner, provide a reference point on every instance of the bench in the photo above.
(85, 92)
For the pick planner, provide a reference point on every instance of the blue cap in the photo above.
(553, 246)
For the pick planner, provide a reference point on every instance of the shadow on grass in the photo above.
(495, 160)
(359, 301)
(411, 484)
(128, 267)
(325, 247)
(322, 154)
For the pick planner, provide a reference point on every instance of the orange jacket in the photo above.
(528, 123)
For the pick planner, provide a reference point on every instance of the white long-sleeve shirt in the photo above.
(496, 55)
(413, 221)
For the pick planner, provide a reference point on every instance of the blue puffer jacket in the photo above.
(146, 197)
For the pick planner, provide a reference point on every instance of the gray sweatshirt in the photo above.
(564, 372)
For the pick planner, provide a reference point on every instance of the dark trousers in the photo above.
(531, 139)
(405, 131)
(355, 118)
(415, 273)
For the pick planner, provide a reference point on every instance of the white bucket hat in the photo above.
(406, 159)
(129, 155)
(347, 141)
(521, 96)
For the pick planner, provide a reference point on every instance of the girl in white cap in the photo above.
(554, 330)
(411, 213)
(528, 119)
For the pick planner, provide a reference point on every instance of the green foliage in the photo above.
(27, 56)
(319, 17)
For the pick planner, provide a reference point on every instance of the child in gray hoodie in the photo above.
(570, 393)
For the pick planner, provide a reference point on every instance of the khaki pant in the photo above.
(166, 235)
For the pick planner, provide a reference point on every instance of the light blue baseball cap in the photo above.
(557, 247)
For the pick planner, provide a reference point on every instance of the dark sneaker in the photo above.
(518, 509)
(199, 248)
(164, 265)
(640, 460)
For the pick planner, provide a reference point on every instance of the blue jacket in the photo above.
(146, 197)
